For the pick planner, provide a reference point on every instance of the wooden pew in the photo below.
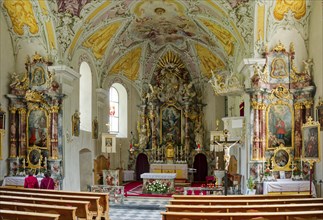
(65, 212)
(308, 215)
(246, 208)
(103, 202)
(94, 206)
(82, 207)
(244, 202)
(240, 197)
(19, 215)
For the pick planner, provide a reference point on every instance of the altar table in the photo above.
(168, 178)
(17, 181)
(179, 169)
(288, 187)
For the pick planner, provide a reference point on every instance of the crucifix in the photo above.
(226, 147)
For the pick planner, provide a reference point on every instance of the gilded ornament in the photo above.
(279, 47)
(280, 92)
(299, 105)
(298, 8)
(308, 104)
(33, 96)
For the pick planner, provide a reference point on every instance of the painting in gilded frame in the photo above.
(171, 124)
(108, 143)
(320, 115)
(311, 141)
(280, 125)
(279, 68)
(37, 128)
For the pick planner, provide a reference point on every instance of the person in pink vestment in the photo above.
(47, 182)
(31, 181)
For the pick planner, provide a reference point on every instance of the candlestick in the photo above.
(24, 163)
(263, 165)
(17, 160)
(39, 165)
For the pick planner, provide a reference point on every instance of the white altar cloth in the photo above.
(16, 181)
(158, 175)
(288, 186)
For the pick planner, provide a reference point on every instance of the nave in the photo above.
(138, 209)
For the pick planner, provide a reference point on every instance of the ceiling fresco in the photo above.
(130, 37)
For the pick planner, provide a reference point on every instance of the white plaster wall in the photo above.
(6, 66)
(316, 52)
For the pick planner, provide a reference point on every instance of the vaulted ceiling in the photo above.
(128, 37)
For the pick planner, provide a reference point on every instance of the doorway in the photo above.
(85, 169)
(142, 165)
(200, 164)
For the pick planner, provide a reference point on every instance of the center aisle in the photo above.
(138, 208)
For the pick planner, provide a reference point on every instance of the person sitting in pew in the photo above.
(31, 181)
(47, 182)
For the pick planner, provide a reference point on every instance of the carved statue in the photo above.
(199, 132)
(307, 66)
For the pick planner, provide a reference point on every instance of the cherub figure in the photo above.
(307, 66)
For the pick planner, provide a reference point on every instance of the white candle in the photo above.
(263, 166)
(17, 161)
(23, 162)
(301, 164)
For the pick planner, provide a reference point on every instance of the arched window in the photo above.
(118, 114)
(85, 97)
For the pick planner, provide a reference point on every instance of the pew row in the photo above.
(241, 197)
(64, 212)
(82, 207)
(297, 215)
(19, 215)
(94, 206)
(245, 202)
(103, 201)
(246, 208)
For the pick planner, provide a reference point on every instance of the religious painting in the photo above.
(108, 143)
(37, 128)
(171, 124)
(2, 119)
(281, 159)
(76, 124)
(278, 67)
(1, 134)
(311, 140)
(38, 77)
(34, 158)
(95, 129)
(320, 114)
(110, 177)
(280, 125)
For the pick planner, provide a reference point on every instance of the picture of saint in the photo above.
(171, 125)
(311, 143)
(37, 128)
(278, 68)
(38, 77)
(281, 158)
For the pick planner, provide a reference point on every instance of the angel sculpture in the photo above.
(307, 66)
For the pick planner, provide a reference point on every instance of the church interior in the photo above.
(176, 96)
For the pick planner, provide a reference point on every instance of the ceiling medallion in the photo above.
(160, 11)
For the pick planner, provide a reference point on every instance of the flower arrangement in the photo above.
(157, 186)
(251, 184)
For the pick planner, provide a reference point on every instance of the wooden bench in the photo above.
(240, 197)
(82, 207)
(103, 201)
(244, 202)
(308, 215)
(19, 215)
(94, 206)
(246, 208)
(65, 212)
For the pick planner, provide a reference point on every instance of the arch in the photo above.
(142, 165)
(200, 164)
(85, 97)
(85, 170)
(118, 100)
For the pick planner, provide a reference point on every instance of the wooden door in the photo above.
(142, 165)
(200, 164)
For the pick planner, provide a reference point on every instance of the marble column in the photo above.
(22, 140)
(13, 132)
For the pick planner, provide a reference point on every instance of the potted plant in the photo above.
(251, 186)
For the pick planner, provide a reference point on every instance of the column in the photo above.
(256, 132)
(53, 132)
(298, 113)
(152, 117)
(13, 132)
(22, 140)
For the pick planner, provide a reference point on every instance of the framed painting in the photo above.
(37, 128)
(311, 140)
(1, 134)
(280, 125)
(108, 143)
(76, 124)
(319, 117)
(171, 125)
(281, 160)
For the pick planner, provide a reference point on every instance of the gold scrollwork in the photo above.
(308, 104)
(299, 105)
(280, 92)
(258, 106)
(34, 96)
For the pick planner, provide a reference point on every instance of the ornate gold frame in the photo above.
(311, 127)
(279, 103)
(161, 122)
(34, 152)
(47, 127)
(277, 158)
